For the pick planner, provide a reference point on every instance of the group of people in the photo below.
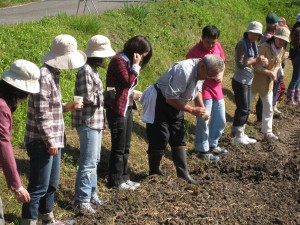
(198, 78)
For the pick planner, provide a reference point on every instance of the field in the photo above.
(254, 184)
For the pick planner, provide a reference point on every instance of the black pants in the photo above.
(242, 101)
(168, 126)
(120, 129)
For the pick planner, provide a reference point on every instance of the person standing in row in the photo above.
(293, 92)
(89, 122)
(15, 86)
(164, 104)
(209, 130)
(265, 75)
(246, 55)
(44, 134)
(122, 75)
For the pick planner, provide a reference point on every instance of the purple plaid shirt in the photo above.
(295, 39)
(89, 86)
(45, 111)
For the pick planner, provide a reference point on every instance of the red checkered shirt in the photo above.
(123, 77)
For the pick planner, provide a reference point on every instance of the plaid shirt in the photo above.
(89, 86)
(45, 111)
(295, 39)
(123, 77)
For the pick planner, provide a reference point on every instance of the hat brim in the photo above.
(100, 54)
(24, 85)
(254, 31)
(285, 38)
(72, 60)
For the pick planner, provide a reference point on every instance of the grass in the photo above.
(7, 3)
(172, 30)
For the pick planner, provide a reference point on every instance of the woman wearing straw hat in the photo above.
(90, 122)
(16, 84)
(246, 55)
(265, 75)
(44, 135)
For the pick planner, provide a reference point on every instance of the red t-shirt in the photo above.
(211, 89)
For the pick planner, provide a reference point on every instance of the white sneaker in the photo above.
(240, 140)
(250, 140)
(85, 206)
(96, 201)
(271, 136)
(132, 183)
(125, 186)
(275, 110)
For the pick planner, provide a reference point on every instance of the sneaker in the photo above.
(250, 140)
(276, 111)
(133, 184)
(96, 201)
(271, 136)
(218, 150)
(240, 140)
(84, 206)
(58, 222)
(208, 156)
(125, 186)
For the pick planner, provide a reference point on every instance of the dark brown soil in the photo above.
(253, 184)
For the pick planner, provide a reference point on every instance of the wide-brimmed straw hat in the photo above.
(99, 46)
(64, 53)
(23, 75)
(255, 27)
(282, 33)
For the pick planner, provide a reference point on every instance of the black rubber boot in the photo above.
(179, 159)
(154, 158)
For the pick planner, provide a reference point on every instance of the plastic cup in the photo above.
(137, 94)
(78, 102)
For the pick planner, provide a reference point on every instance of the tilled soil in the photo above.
(252, 184)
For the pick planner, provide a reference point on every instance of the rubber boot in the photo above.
(180, 162)
(290, 97)
(297, 95)
(154, 158)
(239, 137)
(259, 110)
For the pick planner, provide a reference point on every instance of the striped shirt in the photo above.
(89, 86)
(45, 111)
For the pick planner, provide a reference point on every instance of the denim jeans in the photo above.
(120, 129)
(2, 222)
(267, 111)
(90, 150)
(43, 180)
(208, 132)
(242, 93)
(295, 82)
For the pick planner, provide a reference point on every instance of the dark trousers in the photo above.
(120, 129)
(168, 126)
(242, 101)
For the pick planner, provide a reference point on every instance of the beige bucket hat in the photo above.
(255, 27)
(99, 46)
(64, 53)
(282, 33)
(23, 75)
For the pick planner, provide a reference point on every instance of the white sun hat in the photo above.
(64, 53)
(23, 75)
(99, 46)
(255, 27)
